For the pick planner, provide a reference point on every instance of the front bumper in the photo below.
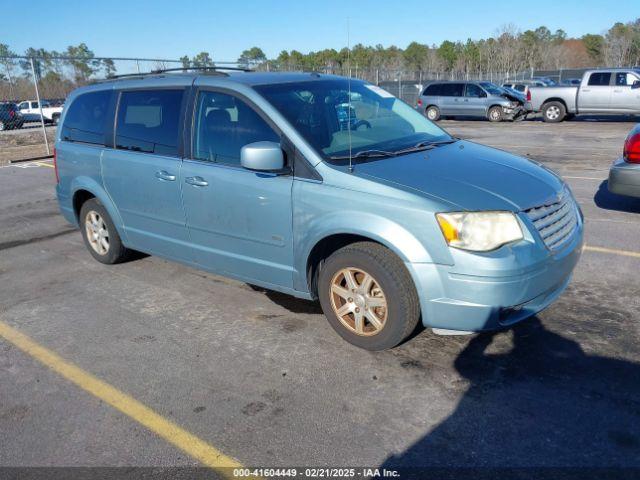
(624, 178)
(526, 280)
(512, 113)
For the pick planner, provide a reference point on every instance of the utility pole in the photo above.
(35, 83)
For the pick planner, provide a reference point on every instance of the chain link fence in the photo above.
(33, 91)
(38, 86)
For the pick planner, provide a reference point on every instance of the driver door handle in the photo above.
(164, 175)
(196, 181)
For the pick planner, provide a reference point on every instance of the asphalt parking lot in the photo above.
(237, 374)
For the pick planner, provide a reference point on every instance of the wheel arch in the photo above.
(85, 188)
(390, 235)
(555, 99)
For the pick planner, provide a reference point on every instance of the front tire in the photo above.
(495, 114)
(100, 235)
(368, 296)
(553, 112)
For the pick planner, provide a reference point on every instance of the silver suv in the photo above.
(472, 99)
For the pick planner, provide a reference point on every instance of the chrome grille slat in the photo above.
(552, 228)
(555, 222)
(561, 235)
(554, 217)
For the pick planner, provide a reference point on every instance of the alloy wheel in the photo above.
(358, 301)
(97, 232)
(553, 112)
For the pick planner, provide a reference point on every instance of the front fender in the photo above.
(380, 229)
(92, 186)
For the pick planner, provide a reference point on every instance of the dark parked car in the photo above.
(10, 117)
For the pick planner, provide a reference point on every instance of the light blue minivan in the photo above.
(321, 187)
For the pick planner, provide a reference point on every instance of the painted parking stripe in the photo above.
(43, 164)
(169, 431)
(613, 251)
(585, 178)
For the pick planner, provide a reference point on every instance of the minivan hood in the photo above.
(513, 97)
(468, 175)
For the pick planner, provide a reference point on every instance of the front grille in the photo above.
(556, 222)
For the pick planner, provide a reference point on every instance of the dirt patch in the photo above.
(24, 144)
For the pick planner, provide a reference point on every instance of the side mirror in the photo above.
(262, 156)
(635, 84)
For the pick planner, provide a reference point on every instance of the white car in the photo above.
(31, 111)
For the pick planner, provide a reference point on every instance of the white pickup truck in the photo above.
(31, 111)
(607, 91)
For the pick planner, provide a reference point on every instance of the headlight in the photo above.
(479, 231)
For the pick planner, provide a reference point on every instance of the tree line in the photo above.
(505, 53)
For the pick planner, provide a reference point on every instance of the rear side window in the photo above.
(433, 90)
(452, 89)
(600, 78)
(148, 121)
(86, 118)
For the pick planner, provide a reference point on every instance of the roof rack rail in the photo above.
(122, 75)
(218, 70)
(214, 69)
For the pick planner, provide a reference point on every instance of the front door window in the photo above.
(223, 125)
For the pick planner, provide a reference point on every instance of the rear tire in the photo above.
(54, 119)
(553, 112)
(432, 113)
(368, 296)
(495, 114)
(100, 235)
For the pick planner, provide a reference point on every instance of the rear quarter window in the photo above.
(432, 90)
(86, 118)
(148, 121)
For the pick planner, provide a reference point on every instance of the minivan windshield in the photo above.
(330, 116)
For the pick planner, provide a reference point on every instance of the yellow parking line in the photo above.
(172, 433)
(614, 251)
(42, 164)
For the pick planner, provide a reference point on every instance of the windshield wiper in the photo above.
(365, 154)
(425, 145)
